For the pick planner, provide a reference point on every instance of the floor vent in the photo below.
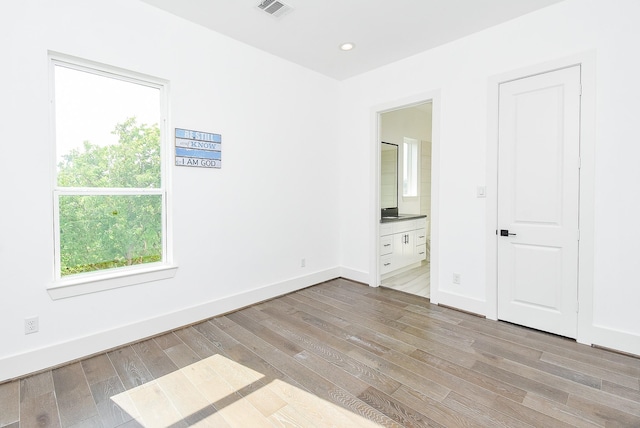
(274, 8)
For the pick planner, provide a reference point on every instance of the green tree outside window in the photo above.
(102, 231)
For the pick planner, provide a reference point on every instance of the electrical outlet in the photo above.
(456, 278)
(31, 325)
(303, 262)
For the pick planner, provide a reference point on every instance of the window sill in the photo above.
(87, 284)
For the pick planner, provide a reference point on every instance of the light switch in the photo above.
(481, 192)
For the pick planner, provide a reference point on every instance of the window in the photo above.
(410, 168)
(110, 189)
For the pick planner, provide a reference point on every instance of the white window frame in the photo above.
(410, 167)
(91, 282)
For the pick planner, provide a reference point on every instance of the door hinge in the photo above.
(579, 162)
(578, 234)
(580, 89)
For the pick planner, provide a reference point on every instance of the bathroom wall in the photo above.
(411, 122)
(425, 178)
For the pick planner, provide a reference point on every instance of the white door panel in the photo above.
(538, 187)
(531, 286)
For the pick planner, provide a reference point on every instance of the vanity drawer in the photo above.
(386, 229)
(404, 226)
(421, 236)
(386, 245)
(421, 223)
(421, 252)
(386, 264)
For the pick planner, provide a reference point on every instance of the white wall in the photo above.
(461, 72)
(240, 232)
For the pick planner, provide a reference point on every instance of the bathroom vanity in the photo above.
(403, 240)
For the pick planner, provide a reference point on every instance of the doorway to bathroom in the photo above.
(405, 137)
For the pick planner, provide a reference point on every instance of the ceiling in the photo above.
(383, 31)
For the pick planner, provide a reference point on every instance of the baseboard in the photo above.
(354, 275)
(615, 340)
(462, 303)
(461, 311)
(19, 365)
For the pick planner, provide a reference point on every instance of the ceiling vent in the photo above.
(274, 8)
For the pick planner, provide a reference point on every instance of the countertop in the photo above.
(402, 217)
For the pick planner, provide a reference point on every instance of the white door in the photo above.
(538, 187)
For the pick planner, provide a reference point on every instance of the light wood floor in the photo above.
(337, 354)
(415, 281)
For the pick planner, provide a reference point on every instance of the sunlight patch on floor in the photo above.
(218, 392)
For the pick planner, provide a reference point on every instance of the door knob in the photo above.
(505, 232)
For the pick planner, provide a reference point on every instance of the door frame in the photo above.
(586, 220)
(374, 189)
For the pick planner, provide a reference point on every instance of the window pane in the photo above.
(107, 132)
(107, 231)
(410, 168)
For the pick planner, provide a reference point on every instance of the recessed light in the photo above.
(347, 46)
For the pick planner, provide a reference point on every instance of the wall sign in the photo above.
(199, 149)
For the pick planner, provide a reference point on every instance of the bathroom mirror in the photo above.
(388, 175)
